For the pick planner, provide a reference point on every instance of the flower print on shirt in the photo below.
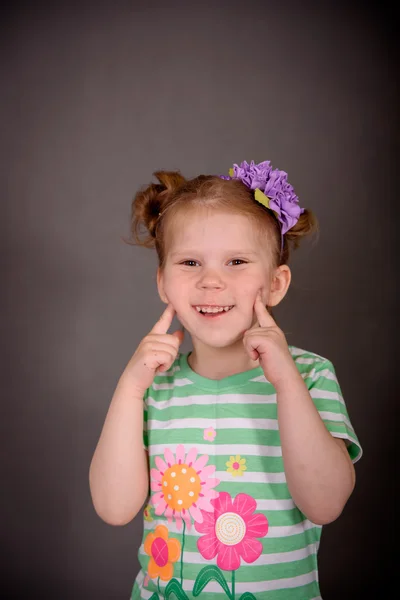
(183, 486)
(230, 535)
(147, 513)
(236, 466)
(209, 434)
(230, 532)
(163, 552)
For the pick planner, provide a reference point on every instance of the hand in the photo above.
(155, 353)
(268, 343)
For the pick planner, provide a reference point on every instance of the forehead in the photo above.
(211, 229)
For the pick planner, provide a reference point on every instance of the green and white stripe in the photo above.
(242, 409)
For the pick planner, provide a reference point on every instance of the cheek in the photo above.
(175, 291)
(248, 291)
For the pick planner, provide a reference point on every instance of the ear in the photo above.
(280, 283)
(160, 286)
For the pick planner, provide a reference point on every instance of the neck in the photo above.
(218, 363)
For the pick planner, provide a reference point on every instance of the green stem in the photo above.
(183, 547)
(158, 585)
(233, 585)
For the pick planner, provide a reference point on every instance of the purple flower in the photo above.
(273, 184)
(252, 175)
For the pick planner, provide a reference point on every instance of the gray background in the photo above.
(95, 98)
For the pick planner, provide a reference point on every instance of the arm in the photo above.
(318, 469)
(118, 475)
(119, 471)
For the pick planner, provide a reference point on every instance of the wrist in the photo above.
(128, 387)
(289, 379)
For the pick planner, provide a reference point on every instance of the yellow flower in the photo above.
(236, 465)
(147, 513)
(183, 485)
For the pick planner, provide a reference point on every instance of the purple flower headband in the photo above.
(271, 189)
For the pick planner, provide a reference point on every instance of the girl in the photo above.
(242, 448)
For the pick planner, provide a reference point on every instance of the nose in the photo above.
(210, 280)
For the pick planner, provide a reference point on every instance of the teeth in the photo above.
(215, 309)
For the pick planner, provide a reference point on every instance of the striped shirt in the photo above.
(220, 520)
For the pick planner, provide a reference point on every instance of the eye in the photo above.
(239, 261)
(186, 262)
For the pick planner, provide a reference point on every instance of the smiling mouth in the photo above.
(212, 312)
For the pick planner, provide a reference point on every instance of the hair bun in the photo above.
(306, 225)
(149, 202)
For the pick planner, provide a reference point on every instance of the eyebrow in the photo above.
(230, 252)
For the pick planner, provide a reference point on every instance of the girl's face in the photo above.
(215, 259)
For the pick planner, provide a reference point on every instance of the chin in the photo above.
(218, 341)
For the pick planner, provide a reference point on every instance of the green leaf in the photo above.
(245, 596)
(154, 597)
(210, 573)
(174, 587)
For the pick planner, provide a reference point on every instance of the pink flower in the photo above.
(209, 434)
(183, 486)
(231, 530)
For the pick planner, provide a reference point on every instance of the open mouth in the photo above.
(212, 312)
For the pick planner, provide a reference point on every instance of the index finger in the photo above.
(164, 322)
(263, 316)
